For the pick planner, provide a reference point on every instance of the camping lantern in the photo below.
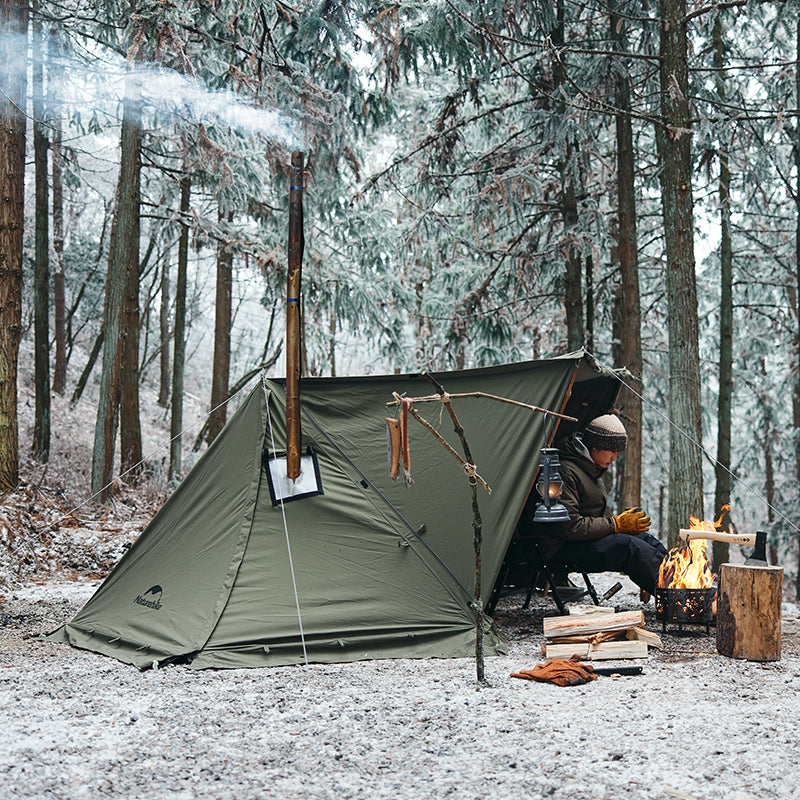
(549, 485)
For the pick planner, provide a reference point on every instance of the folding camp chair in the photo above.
(525, 558)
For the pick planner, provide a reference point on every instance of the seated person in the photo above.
(594, 540)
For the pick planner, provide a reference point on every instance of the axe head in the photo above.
(759, 555)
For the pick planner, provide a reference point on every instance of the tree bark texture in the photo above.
(222, 339)
(722, 493)
(130, 431)
(163, 325)
(124, 228)
(13, 90)
(41, 259)
(628, 299)
(573, 273)
(589, 290)
(332, 342)
(766, 437)
(797, 289)
(674, 134)
(749, 612)
(797, 293)
(87, 370)
(59, 279)
(179, 354)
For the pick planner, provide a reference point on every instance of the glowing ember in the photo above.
(686, 566)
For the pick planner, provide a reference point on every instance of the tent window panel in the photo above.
(283, 489)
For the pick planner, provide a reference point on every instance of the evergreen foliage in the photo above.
(460, 188)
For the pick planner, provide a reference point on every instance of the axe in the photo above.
(757, 540)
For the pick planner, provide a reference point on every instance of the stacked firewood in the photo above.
(598, 633)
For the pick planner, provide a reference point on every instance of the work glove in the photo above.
(561, 671)
(631, 520)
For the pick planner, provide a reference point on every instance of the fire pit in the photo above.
(686, 591)
(685, 605)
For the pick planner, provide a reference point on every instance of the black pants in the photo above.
(639, 557)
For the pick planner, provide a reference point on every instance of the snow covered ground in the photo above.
(695, 724)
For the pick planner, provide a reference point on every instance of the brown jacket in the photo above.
(584, 496)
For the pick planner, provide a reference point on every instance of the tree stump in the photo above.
(749, 612)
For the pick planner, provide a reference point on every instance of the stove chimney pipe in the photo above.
(295, 250)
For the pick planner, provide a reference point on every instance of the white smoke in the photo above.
(170, 91)
(98, 86)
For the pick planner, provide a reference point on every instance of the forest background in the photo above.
(484, 183)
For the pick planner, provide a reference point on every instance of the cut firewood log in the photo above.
(600, 652)
(749, 612)
(595, 623)
(592, 638)
(642, 635)
(580, 610)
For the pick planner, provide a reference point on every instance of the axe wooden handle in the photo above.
(687, 535)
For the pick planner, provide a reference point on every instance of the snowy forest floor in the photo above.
(694, 724)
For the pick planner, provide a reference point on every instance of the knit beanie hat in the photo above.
(606, 433)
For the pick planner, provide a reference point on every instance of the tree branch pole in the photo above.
(445, 397)
(477, 540)
(468, 465)
(469, 469)
(293, 282)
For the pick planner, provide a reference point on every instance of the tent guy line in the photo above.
(286, 530)
(698, 445)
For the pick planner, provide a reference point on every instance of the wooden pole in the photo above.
(293, 361)
(477, 537)
(749, 612)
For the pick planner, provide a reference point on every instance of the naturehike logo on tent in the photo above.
(151, 598)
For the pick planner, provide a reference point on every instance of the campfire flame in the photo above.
(686, 566)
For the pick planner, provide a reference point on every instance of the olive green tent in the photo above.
(228, 575)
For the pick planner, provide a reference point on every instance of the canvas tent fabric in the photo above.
(224, 578)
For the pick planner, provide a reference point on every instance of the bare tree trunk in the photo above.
(41, 279)
(722, 494)
(796, 404)
(179, 357)
(332, 343)
(130, 430)
(59, 279)
(628, 301)
(673, 135)
(769, 465)
(222, 339)
(589, 282)
(13, 90)
(573, 276)
(124, 235)
(163, 324)
(87, 370)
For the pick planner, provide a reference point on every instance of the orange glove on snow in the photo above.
(561, 671)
